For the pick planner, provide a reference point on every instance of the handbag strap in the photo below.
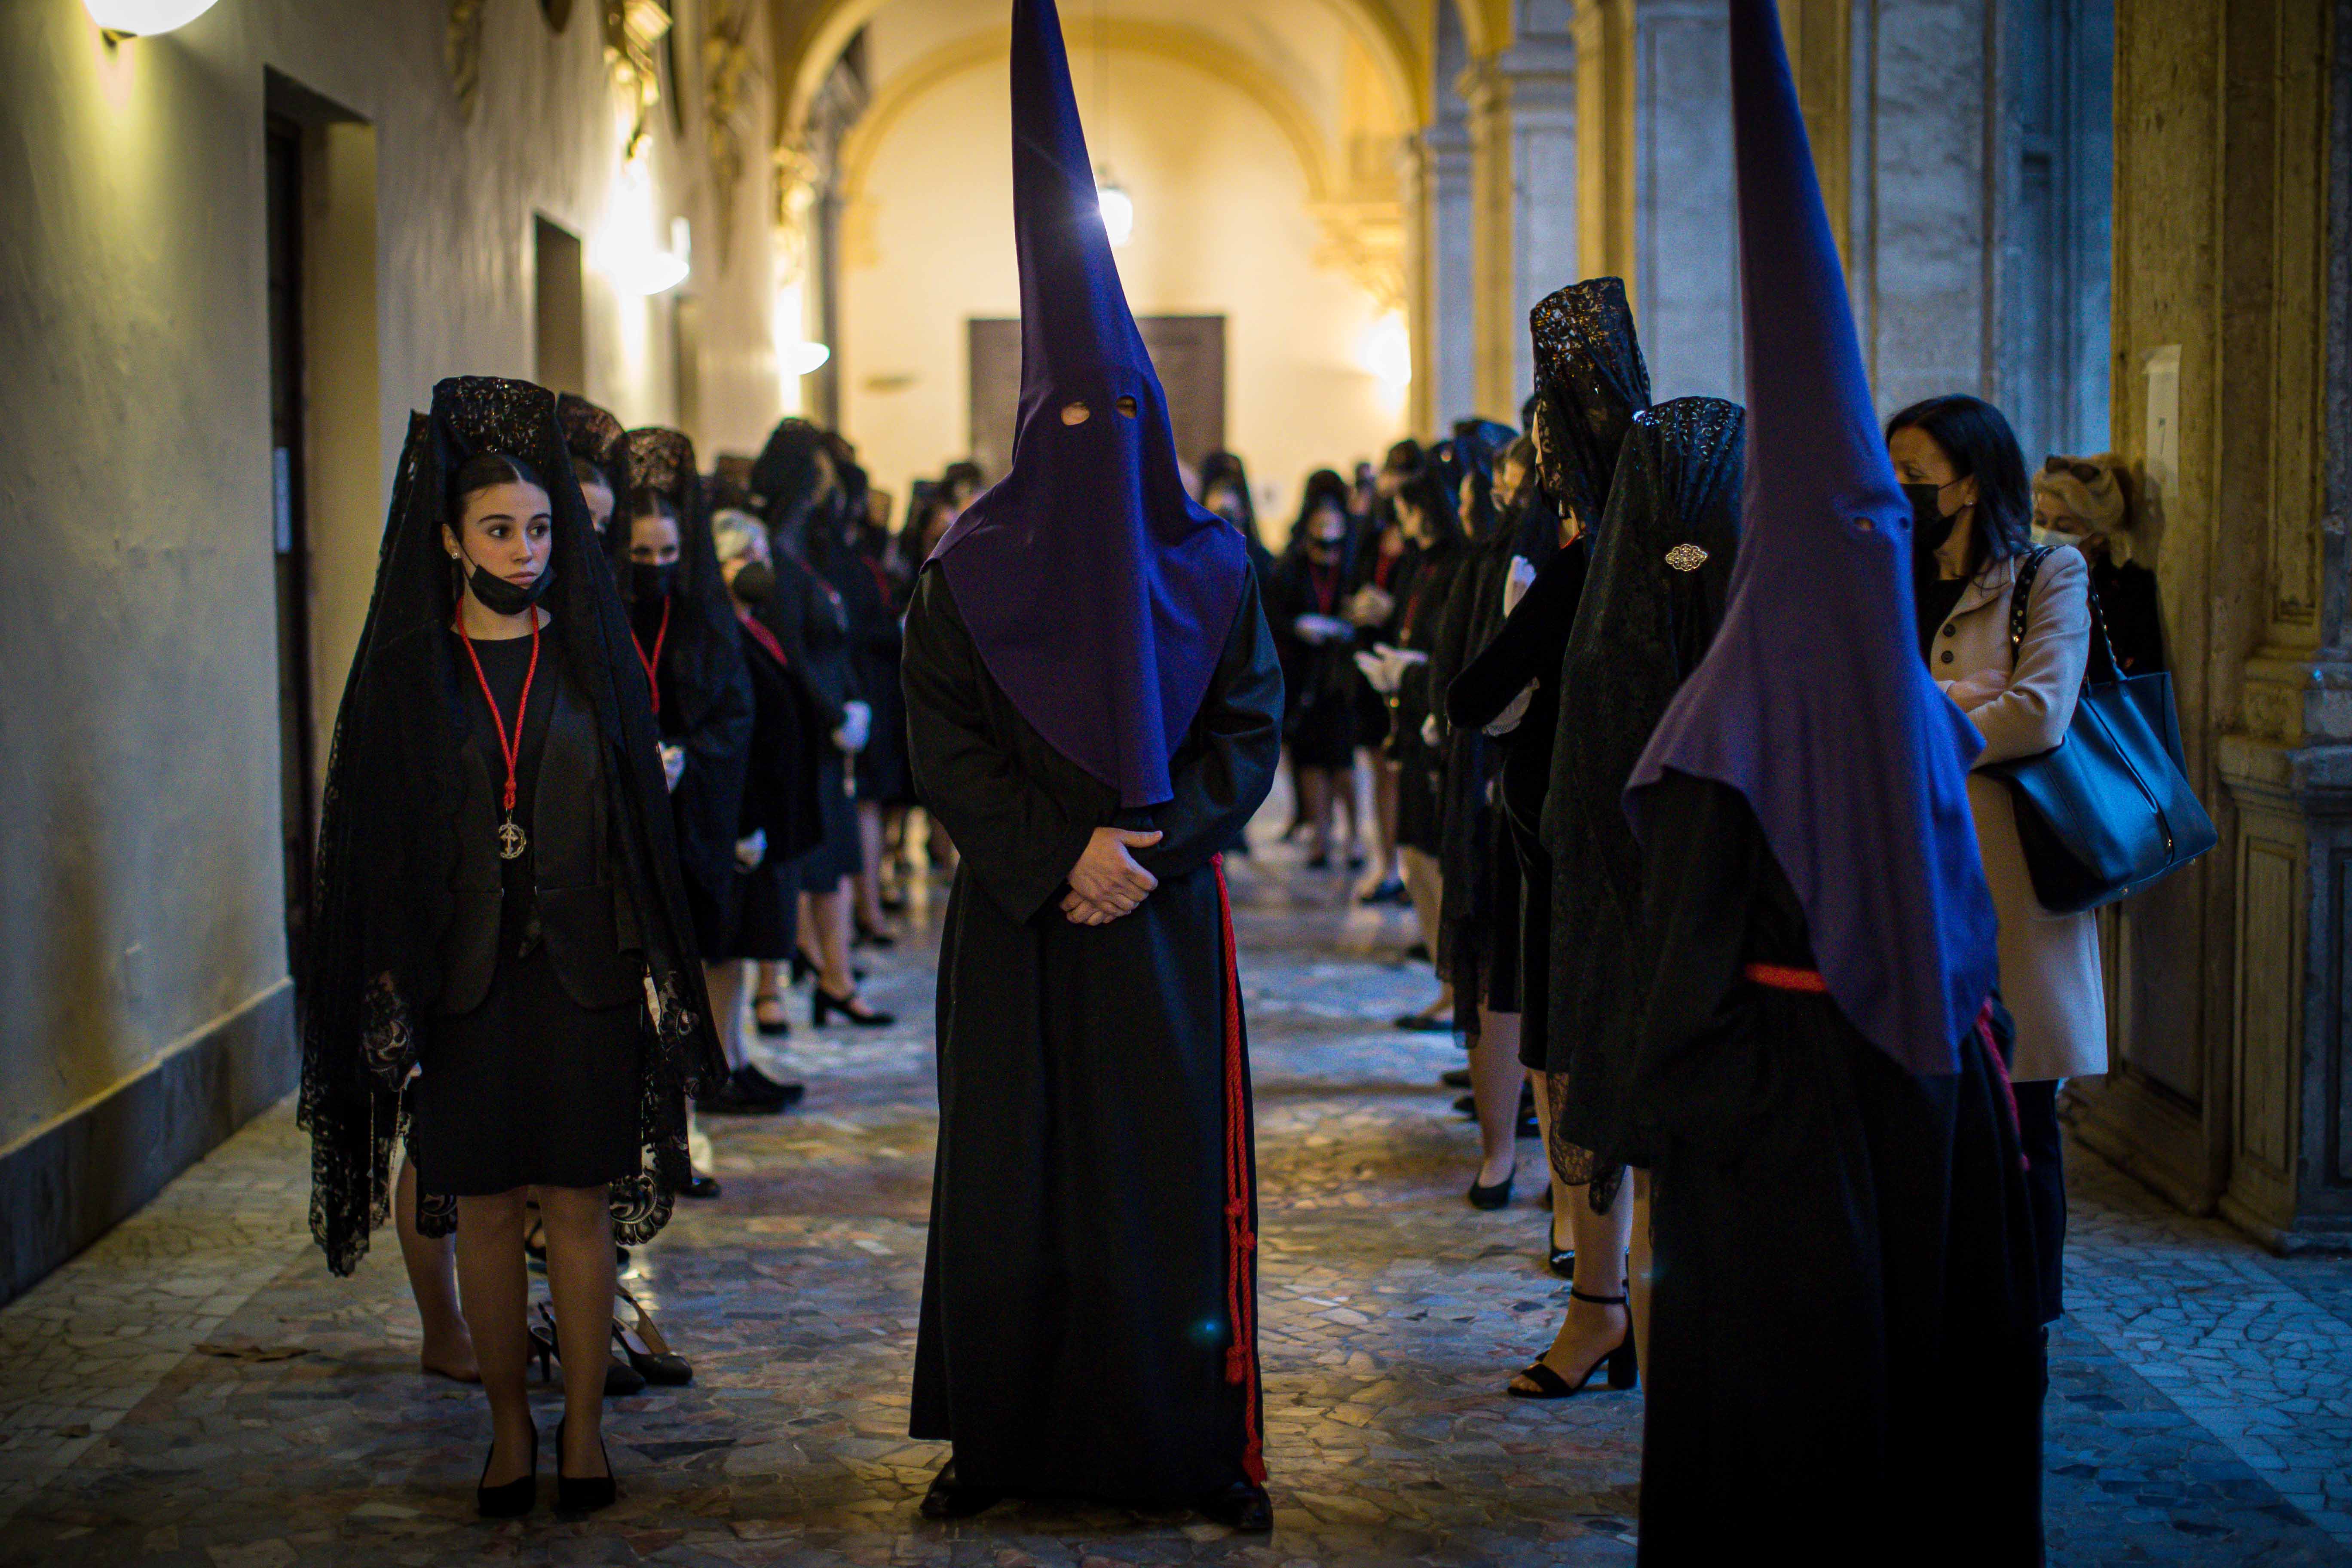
(2021, 597)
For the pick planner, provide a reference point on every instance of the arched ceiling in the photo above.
(1395, 34)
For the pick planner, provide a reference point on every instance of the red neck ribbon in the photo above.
(511, 748)
(652, 682)
(759, 634)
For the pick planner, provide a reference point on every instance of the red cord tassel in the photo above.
(1241, 1239)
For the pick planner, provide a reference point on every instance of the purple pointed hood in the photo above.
(1812, 702)
(1098, 593)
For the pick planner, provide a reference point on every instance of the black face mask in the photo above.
(650, 583)
(502, 597)
(1930, 526)
(755, 583)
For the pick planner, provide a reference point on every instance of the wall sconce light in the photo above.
(649, 271)
(805, 358)
(120, 20)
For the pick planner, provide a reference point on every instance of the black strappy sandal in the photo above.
(1623, 1366)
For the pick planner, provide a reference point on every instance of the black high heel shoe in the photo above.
(803, 970)
(771, 1026)
(823, 1004)
(583, 1494)
(621, 1379)
(647, 1352)
(873, 937)
(1494, 1197)
(1623, 1363)
(510, 1500)
(1563, 1260)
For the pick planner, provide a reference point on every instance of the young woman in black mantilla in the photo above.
(690, 647)
(503, 934)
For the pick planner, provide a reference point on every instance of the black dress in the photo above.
(808, 617)
(780, 800)
(1844, 1254)
(875, 645)
(706, 714)
(531, 1073)
(1423, 598)
(1318, 679)
(1525, 656)
(1080, 1297)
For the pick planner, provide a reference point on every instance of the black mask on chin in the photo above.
(650, 583)
(1930, 525)
(502, 597)
(755, 583)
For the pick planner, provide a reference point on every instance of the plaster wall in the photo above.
(138, 773)
(1220, 229)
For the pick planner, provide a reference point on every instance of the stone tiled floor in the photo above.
(197, 1390)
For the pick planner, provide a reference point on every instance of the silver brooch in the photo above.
(1686, 558)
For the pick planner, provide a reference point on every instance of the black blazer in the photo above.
(584, 914)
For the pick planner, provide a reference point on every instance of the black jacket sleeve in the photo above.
(1528, 648)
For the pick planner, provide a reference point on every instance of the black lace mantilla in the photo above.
(1591, 381)
(383, 898)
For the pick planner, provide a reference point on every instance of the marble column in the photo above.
(1522, 125)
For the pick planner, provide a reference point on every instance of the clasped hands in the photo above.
(1107, 883)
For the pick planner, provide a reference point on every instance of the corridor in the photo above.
(197, 1390)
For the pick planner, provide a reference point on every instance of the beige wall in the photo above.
(1223, 228)
(139, 766)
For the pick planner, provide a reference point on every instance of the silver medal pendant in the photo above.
(512, 841)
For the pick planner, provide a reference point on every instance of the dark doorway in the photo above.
(561, 307)
(1189, 352)
(297, 743)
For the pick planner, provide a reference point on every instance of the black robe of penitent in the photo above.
(1843, 1251)
(1079, 1298)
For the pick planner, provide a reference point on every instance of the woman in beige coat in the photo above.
(1961, 466)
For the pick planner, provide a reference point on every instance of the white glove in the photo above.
(1320, 628)
(857, 727)
(1508, 719)
(1431, 735)
(1384, 667)
(673, 761)
(750, 852)
(1516, 586)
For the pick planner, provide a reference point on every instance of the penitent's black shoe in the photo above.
(1241, 1507)
(950, 1498)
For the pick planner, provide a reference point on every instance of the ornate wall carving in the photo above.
(728, 68)
(632, 29)
(462, 50)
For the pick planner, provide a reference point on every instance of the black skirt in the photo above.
(767, 912)
(528, 1089)
(839, 854)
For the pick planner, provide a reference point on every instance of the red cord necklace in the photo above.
(512, 840)
(652, 682)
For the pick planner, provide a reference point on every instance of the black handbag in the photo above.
(2109, 810)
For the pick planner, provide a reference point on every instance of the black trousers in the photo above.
(2045, 1188)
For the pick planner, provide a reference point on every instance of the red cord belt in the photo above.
(1241, 1238)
